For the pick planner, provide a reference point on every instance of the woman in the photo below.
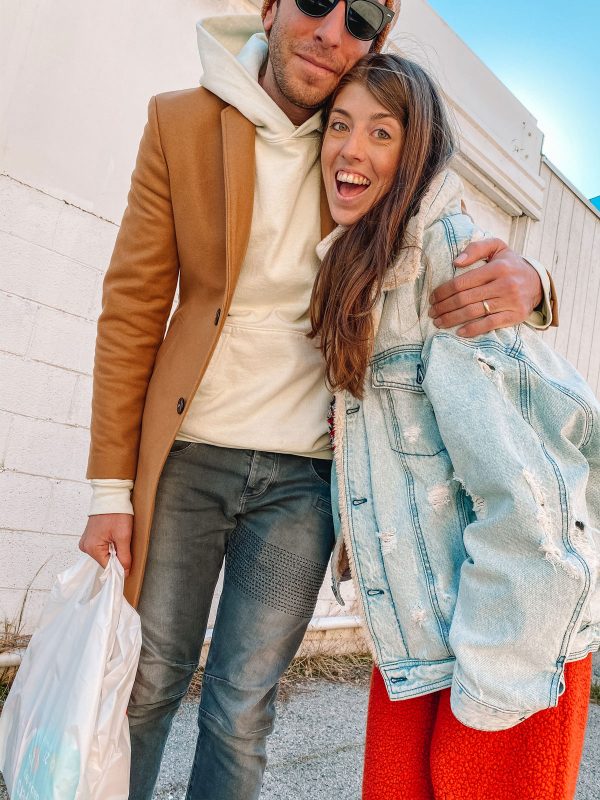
(468, 475)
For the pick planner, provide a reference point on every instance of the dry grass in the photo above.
(13, 638)
(10, 639)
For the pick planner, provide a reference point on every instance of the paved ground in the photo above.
(316, 750)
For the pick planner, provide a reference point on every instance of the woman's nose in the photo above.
(354, 149)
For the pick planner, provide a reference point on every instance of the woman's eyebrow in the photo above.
(380, 115)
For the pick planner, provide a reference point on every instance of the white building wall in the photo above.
(52, 261)
(567, 239)
(76, 81)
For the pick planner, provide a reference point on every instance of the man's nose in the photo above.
(330, 30)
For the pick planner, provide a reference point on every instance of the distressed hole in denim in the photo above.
(490, 370)
(388, 541)
(440, 496)
(418, 616)
(412, 434)
(375, 592)
(479, 503)
(399, 679)
(271, 575)
(553, 555)
(543, 515)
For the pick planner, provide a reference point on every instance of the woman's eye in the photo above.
(338, 126)
(381, 134)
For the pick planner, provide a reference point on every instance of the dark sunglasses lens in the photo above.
(364, 19)
(315, 8)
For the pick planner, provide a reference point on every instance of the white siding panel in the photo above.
(589, 341)
(584, 245)
(568, 251)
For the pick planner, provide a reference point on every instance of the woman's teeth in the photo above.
(350, 177)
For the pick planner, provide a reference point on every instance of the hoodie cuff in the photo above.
(111, 496)
(544, 315)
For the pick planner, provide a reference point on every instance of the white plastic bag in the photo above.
(63, 730)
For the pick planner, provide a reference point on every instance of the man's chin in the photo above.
(308, 96)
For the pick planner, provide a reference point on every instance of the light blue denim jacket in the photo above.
(468, 488)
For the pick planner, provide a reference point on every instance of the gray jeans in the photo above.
(269, 517)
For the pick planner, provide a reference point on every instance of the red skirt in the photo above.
(417, 750)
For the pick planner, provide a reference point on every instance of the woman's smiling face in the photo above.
(360, 153)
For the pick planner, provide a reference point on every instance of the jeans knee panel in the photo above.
(243, 713)
(273, 576)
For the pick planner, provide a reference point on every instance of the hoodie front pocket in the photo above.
(398, 374)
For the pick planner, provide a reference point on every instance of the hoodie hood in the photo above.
(443, 197)
(233, 50)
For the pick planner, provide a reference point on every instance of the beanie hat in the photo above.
(393, 5)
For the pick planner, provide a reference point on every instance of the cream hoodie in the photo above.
(264, 388)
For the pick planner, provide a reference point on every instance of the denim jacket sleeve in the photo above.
(525, 584)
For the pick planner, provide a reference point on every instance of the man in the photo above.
(223, 424)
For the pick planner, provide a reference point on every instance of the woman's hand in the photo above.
(510, 287)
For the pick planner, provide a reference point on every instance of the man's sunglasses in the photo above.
(365, 19)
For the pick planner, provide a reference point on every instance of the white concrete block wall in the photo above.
(52, 260)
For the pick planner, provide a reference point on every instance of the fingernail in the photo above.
(460, 259)
(431, 312)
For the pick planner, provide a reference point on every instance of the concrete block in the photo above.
(5, 421)
(68, 508)
(28, 213)
(45, 277)
(63, 340)
(47, 449)
(81, 404)
(34, 559)
(17, 317)
(95, 307)
(25, 500)
(85, 237)
(33, 389)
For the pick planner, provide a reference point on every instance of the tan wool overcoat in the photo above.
(188, 218)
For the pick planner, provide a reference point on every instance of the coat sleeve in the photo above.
(522, 586)
(138, 293)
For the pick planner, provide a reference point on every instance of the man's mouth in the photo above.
(350, 184)
(318, 65)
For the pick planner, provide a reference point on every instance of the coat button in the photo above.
(217, 316)
(180, 405)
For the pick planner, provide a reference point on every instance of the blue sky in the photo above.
(547, 55)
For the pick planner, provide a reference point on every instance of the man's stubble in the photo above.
(301, 93)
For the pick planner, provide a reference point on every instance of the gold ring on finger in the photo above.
(486, 307)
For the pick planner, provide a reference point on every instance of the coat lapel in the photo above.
(238, 168)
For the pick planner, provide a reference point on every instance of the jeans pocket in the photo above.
(178, 447)
(321, 467)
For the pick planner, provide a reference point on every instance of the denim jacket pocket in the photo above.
(412, 428)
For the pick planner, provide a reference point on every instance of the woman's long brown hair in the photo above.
(351, 275)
